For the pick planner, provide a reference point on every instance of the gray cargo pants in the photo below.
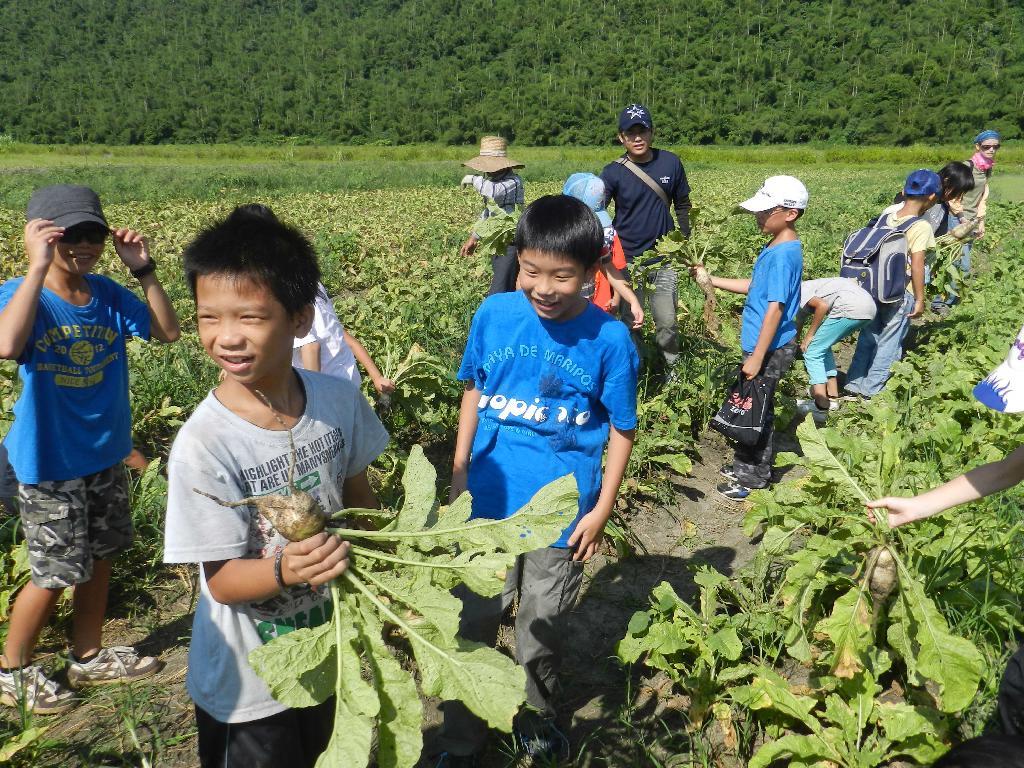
(663, 301)
(548, 583)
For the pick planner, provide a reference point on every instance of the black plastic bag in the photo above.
(742, 415)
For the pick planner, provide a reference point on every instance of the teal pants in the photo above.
(818, 359)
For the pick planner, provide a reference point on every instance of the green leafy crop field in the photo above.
(786, 651)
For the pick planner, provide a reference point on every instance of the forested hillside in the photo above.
(540, 71)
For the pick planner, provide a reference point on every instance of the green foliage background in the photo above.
(400, 71)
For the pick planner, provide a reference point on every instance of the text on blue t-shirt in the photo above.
(548, 392)
(73, 417)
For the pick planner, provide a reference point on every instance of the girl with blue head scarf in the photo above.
(610, 284)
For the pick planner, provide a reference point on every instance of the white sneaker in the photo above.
(31, 688)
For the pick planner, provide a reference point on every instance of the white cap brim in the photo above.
(759, 202)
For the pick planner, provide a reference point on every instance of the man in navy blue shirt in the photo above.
(642, 213)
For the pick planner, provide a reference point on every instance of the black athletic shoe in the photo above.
(733, 491)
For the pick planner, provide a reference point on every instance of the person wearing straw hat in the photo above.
(1002, 391)
(497, 185)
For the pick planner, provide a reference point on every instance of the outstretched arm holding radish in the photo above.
(971, 486)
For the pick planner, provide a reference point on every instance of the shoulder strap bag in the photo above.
(633, 168)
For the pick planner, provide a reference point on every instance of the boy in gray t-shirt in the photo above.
(254, 280)
(837, 307)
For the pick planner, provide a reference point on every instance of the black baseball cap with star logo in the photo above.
(635, 114)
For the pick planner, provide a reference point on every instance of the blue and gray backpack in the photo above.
(876, 258)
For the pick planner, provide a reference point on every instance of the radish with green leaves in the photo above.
(399, 583)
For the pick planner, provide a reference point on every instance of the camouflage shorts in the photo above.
(70, 523)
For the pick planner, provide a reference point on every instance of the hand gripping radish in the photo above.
(296, 516)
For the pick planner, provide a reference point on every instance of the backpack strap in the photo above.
(633, 168)
(908, 223)
(878, 221)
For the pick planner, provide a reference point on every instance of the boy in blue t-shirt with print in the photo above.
(768, 331)
(67, 328)
(550, 379)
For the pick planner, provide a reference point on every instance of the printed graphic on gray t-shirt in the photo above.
(226, 456)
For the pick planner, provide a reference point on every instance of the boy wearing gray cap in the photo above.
(67, 329)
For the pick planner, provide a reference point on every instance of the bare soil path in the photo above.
(614, 715)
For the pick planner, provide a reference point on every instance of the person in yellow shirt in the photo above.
(880, 343)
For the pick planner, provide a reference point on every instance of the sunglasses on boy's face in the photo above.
(986, 147)
(94, 234)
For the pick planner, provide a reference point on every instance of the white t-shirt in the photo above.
(223, 454)
(336, 358)
(845, 298)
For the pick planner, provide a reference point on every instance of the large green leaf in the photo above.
(419, 483)
(953, 662)
(726, 644)
(914, 732)
(356, 705)
(848, 628)
(350, 740)
(488, 682)
(537, 524)
(769, 691)
(803, 750)
(400, 724)
(298, 667)
(822, 461)
(440, 607)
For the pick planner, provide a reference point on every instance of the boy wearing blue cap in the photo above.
(646, 183)
(880, 343)
(609, 285)
(67, 328)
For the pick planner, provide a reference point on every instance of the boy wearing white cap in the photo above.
(1003, 391)
(768, 331)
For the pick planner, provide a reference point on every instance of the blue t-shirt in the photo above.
(549, 390)
(73, 417)
(776, 277)
(640, 215)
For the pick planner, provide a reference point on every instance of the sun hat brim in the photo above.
(486, 164)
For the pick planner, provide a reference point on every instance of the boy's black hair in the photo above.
(252, 242)
(563, 226)
(957, 178)
(985, 752)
